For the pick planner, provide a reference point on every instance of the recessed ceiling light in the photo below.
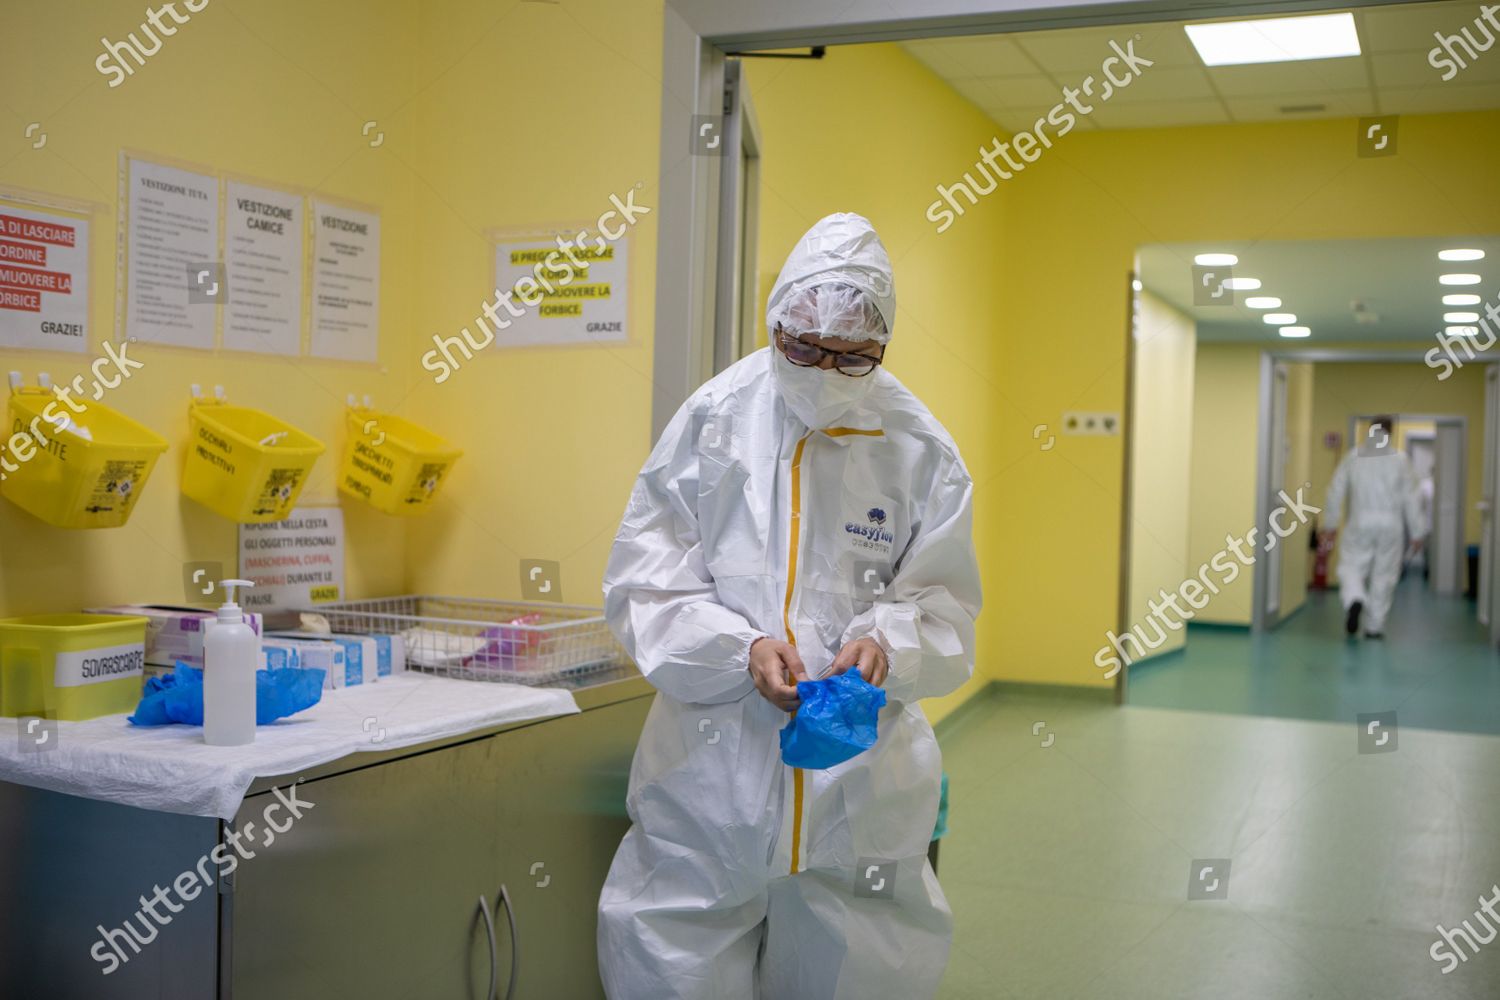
(1262, 302)
(1275, 39)
(1460, 255)
(1216, 260)
(1460, 299)
(1279, 319)
(1242, 284)
(1295, 331)
(1458, 279)
(1460, 317)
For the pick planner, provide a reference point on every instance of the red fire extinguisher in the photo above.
(1322, 552)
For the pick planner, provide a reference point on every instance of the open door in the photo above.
(736, 295)
(1486, 505)
(1275, 483)
(1446, 549)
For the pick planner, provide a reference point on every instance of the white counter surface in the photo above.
(170, 769)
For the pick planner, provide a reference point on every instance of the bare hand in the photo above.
(772, 663)
(865, 654)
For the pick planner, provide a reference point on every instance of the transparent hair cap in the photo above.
(841, 311)
(836, 282)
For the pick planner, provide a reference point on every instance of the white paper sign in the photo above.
(174, 283)
(263, 262)
(572, 296)
(346, 283)
(44, 280)
(295, 563)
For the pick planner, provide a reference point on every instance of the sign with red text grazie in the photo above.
(44, 280)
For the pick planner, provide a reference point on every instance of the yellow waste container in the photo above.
(87, 468)
(244, 464)
(71, 666)
(392, 463)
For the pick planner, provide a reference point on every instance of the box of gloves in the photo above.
(174, 632)
(360, 653)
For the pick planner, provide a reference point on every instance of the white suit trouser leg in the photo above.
(812, 937)
(1369, 566)
(825, 943)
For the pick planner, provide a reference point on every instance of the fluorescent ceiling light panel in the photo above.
(1216, 260)
(1460, 255)
(1262, 302)
(1460, 299)
(1279, 319)
(1463, 331)
(1460, 317)
(1276, 39)
(1295, 331)
(1458, 279)
(1242, 284)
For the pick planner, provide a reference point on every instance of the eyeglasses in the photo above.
(805, 355)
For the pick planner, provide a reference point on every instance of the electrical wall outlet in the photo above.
(1075, 422)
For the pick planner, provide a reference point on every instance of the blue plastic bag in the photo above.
(178, 697)
(835, 723)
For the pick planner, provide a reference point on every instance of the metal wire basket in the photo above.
(513, 642)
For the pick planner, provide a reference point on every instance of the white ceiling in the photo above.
(1017, 78)
(1319, 280)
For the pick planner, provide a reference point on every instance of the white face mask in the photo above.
(817, 396)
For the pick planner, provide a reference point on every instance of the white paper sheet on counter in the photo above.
(171, 769)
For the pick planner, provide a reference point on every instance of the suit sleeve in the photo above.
(1337, 490)
(658, 595)
(925, 618)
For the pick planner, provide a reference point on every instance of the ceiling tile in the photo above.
(984, 55)
(1410, 27)
(1081, 50)
(1009, 91)
(1436, 100)
(1289, 77)
(1161, 114)
(1337, 104)
(1165, 84)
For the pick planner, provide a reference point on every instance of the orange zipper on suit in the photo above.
(793, 549)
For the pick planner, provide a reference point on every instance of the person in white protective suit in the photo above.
(802, 515)
(1384, 509)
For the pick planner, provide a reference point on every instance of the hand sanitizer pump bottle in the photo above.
(231, 656)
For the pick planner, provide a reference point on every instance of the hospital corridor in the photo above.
(749, 500)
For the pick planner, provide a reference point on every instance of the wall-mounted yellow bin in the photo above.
(71, 666)
(89, 467)
(393, 464)
(244, 464)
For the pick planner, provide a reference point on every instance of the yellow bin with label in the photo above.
(244, 464)
(88, 466)
(71, 667)
(393, 464)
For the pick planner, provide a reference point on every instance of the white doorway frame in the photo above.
(697, 35)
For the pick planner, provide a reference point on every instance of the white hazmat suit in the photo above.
(812, 507)
(1383, 507)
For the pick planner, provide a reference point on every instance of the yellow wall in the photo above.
(1295, 552)
(827, 126)
(532, 115)
(1074, 221)
(276, 90)
(1226, 407)
(1163, 420)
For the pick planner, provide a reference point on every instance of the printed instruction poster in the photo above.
(578, 298)
(174, 282)
(346, 283)
(295, 563)
(263, 262)
(44, 279)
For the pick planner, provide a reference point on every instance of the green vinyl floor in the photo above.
(1434, 668)
(1069, 860)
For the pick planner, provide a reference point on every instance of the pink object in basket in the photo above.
(504, 644)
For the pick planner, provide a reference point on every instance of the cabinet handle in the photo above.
(489, 929)
(515, 945)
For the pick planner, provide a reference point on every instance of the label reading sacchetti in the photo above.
(94, 666)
